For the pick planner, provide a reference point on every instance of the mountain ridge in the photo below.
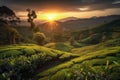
(81, 23)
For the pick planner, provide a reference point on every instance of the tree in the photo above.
(8, 16)
(9, 35)
(39, 38)
(8, 20)
(31, 16)
(13, 36)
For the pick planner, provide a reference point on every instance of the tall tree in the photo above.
(31, 16)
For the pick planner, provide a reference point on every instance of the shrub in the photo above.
(39, 38)
(63, 47)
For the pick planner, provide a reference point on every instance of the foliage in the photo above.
(98, 34)
(40, 38)
(63, 47)
(17, 61)
(86, 72)
(59, 46)
(60, 36)
(8, 20)
(13, 35)
(95, 62)
(31, 16)
(92, 48)
(9, 35)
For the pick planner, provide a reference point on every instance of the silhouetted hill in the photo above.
(68, 19)
(82, 23)
(6, 11)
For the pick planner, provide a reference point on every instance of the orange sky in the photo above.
(64, 8)
(59, 15)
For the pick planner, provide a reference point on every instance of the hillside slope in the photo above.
(80, 24)
(18, 62)
(104, 32)
(29, 61)
(100, 61)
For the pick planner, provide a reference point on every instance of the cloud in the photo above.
(116, 2)
(62, 5)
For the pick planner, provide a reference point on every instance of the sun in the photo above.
(51, 17)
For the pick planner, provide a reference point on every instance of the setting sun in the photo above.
(51, 17)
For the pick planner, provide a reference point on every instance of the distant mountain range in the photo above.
(68, 19)
(73, 23)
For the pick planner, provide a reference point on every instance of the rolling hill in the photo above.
(69, 26)
(96, 60)
(23, 61)
(30, 61)
(68, 19)
(92, 61)
(80, 24)
(110, 30)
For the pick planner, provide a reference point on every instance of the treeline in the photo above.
(10, 35)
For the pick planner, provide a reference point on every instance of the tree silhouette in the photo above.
(8, 16)
(31, 16)
(8, 20)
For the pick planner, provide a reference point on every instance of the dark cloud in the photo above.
(63, 5)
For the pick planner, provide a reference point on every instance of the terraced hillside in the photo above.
(97, 62)
(20, 62)
(82, 49)
(33, 62)
(98, 34)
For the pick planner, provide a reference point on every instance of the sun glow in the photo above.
(84, 9)
(51, 17)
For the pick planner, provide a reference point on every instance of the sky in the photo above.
(64, 8)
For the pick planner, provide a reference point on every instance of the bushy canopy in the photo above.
(39, 38)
